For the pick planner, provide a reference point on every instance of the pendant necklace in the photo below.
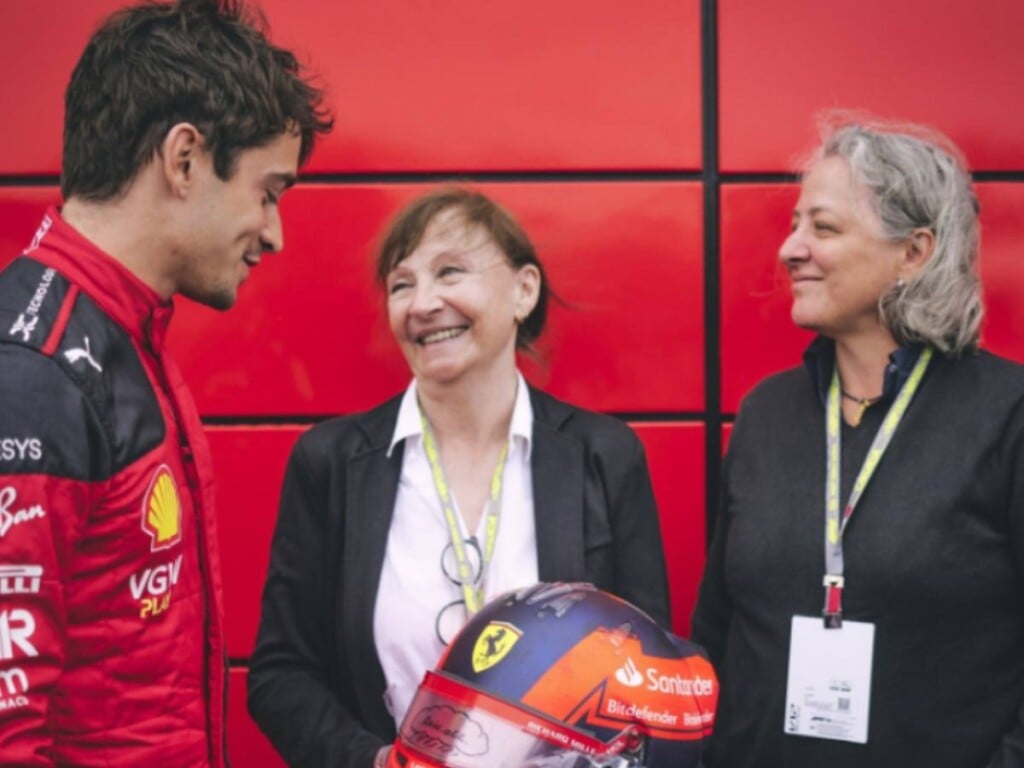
(863, 402)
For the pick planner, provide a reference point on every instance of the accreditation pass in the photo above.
(828, 689)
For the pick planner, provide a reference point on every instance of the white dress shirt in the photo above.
(414, 589)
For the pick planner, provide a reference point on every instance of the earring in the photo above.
(900, 285)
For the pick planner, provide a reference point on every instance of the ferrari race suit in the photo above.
(111, 648)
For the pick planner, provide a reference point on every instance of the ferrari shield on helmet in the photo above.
(561, 676)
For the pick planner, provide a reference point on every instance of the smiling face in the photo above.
(231, 223)
(454, 302)
(837, 259)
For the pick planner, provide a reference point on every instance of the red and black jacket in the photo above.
(111, 648)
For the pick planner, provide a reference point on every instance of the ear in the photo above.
(527, 290)
(919, 249)
(180, 153)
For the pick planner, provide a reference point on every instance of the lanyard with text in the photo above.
(836, 519)
(474, 596)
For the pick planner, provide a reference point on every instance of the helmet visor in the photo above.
(454, 725)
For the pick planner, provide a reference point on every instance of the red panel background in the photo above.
(757, 336)
(956, 65)
(250, 463)
(453, 86)
(309, 337)
(1002, 268)
(675, 454)
(531, 85)
(21, 211)
(39, 45)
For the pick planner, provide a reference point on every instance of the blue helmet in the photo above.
(561, 676)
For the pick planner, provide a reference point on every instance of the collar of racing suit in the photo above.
(133, 304)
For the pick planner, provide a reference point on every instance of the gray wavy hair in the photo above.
(917, 178)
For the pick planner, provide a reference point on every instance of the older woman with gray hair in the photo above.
(864, 595)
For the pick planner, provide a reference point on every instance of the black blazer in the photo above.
(315, 683)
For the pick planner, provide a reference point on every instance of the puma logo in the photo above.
(83, 353)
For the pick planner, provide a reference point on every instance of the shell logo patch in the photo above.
(494, 644)
(161, 511)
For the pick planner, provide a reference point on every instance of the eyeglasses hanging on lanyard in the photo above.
(836, 519)
(472, 593)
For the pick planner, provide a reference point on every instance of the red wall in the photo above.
(647, 156)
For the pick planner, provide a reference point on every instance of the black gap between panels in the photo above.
(712, 282)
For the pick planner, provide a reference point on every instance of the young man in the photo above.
(184, 126)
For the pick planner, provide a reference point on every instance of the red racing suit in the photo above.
(111, 647)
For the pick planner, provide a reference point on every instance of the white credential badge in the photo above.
(828, 690)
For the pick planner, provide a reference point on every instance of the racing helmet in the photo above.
(561, 676)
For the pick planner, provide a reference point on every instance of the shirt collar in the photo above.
(521, 426)
(820, 360)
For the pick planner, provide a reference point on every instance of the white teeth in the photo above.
(448, 333)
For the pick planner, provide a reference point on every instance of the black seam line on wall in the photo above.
(981, 177)
(484, 177)
(710, 177)
(308, 420)
(47, 180)
(39, 180)
(437, 177)
(758, 178)
(990, 176)
(657, 417)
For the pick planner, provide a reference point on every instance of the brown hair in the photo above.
(153, 65)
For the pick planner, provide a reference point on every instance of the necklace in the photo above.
(863, 402)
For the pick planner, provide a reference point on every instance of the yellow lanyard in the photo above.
(474, 596)
(836, 518)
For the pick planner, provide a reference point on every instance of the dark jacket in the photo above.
(934, 557)
(316, 685)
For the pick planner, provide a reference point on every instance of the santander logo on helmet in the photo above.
(629, 675)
